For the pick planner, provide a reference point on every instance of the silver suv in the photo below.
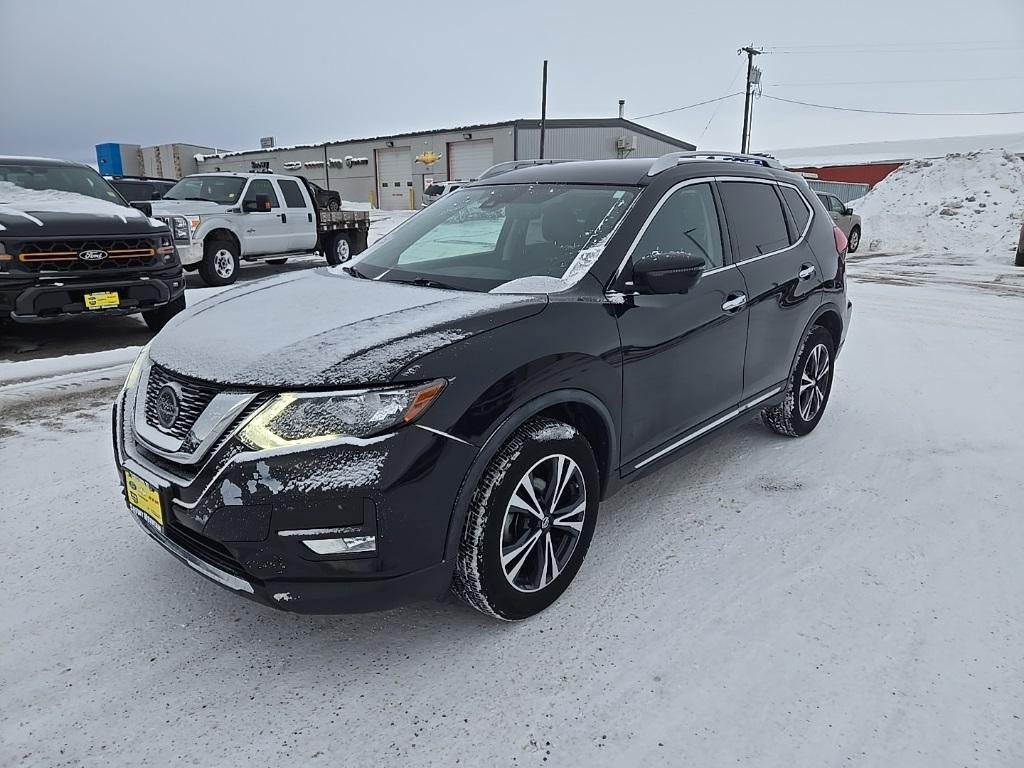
(844, 217)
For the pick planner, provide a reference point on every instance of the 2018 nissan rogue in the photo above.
(448, 409)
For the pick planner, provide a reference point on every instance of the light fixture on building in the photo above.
(391, 143)
(467, 136)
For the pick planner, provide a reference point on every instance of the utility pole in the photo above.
(543, 107)
(753, 76)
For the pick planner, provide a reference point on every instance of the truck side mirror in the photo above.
(142, 205)
(260, 203)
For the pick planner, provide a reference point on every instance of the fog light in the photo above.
(342, 546)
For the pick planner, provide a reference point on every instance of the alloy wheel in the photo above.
(814, 382)
(543, 523)
(854, 240)
(341, 249)
(224, 263)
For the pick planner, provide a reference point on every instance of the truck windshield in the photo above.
(479, 238)
(224, 190)
(53, 178)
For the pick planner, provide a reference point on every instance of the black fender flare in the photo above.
(825, 308)
(497, 437)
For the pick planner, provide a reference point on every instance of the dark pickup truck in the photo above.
(70, 244)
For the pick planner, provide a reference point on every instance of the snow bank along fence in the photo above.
(844, 190)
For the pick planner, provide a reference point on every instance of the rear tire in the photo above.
(157, 318)
(853, 241)
(220, 262)
(530, 522)
(809, 387)
(277, 262)
(339, 250)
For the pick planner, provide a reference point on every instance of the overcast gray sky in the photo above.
(225, 73)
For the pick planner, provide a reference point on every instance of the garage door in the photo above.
(468, 159)
(394, 178)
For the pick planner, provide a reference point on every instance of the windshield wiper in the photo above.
(354, 272)
(426, 282)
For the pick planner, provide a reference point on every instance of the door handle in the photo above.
(806, 272)
(284, 218)
(735, 302)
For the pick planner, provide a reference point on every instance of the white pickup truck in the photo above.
(221, 219)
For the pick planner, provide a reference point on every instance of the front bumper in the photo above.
(30, 300)
(240, 517)
(189, 253)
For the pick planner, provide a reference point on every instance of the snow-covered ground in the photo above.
(851, 598)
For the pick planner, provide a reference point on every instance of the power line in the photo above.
(689, 106)
(714, 112)
(893, 112)
(899, 82)
(873, 51)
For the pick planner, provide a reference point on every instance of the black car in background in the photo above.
(326, 199)
(449, 408)
(136, 188)
(70, 244)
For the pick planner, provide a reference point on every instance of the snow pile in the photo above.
(15, 199)
(963, 202)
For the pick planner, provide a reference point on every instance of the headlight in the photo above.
(136, 370)
(296, 419)
(179, 226)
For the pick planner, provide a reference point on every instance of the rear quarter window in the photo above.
(799, 208)
(756, 218)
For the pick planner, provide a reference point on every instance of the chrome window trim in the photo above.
(703, 180)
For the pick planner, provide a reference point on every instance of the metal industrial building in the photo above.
(392, 171)
(166, 161)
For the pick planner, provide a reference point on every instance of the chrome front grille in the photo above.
(193, 398)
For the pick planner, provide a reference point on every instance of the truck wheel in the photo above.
(853, 241)
(333, 205)
(277, 262)
(808, 390)
(340, 249)
(220, 262)
(530, 521)
(157, 318)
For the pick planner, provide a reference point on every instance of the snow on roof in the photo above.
(896, 151)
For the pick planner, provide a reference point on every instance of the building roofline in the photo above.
(611, 122)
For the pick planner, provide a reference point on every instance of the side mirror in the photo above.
(669, 272)
(156, 195)
(143, 206)
(847, 211)
(257, 205)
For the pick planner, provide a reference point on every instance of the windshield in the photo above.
(60, 178)
(223, 190)
(481, 237)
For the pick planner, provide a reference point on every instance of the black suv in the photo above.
(326, 199)
(134, 188)
(69, 244)
(449, 408)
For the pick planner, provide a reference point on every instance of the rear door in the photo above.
(301, 223)
(682, 353)
(781, 273)
(265, 231)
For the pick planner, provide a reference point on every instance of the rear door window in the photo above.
(292, 194)
(756, 219)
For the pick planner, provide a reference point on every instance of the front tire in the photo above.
(220, 262)
(157, 318)
(340, 249)
(853, 241)
(530, 522)
(808, 389)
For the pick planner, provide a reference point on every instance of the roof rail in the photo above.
(672, 159)
(513, 165)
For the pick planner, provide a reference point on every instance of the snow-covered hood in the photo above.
(28, 214)
(325, 328)
(187, 208)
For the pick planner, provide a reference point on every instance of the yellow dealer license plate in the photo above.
(102, 300)
(143, 497)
